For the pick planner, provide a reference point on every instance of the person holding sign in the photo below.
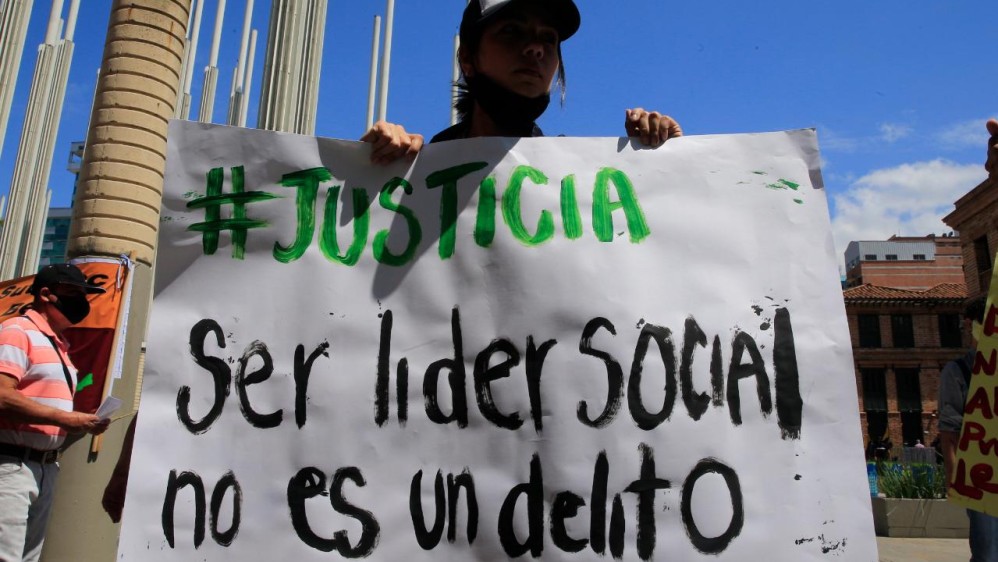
(510, 53)
(954, 384)
(37, 383)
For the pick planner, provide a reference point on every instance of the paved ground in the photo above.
(923, 550)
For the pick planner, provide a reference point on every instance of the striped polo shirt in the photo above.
(27, 355)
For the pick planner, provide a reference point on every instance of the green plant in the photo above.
(911, 481)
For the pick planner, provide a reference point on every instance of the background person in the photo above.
(37, 383)
(509, 56)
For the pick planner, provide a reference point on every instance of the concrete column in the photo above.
(116, 212)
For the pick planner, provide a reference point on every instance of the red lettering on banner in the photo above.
(981, 476)
(986, 366)
(975, 432)
(991, 321)
(981, 402)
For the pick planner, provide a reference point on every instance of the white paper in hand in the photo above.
(108, 407)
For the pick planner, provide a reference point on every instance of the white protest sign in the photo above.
(552, 348)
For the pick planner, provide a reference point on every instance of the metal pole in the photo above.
(74, 10)
(30, 162)
(244, 110)
(14, 17)
(52, 31)
(386, 60)
(207, 109)
(244, 44)
(372, 87)
(36, 232)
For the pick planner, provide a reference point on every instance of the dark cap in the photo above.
(62, 274)
(565, 16)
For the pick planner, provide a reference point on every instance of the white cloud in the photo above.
(964, 134)
(892, 132)
(909, 200)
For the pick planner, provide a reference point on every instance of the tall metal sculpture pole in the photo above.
(211, 71)
(289, 89)
(183, 110)
(14, 15)
(117, 212)
(372, 87)
(235, 116)
(386, 60)
(34, 154)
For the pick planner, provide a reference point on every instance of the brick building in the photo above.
(976, 218)
(901, 340)
(905, 262)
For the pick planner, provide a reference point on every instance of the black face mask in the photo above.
(511, 111)
(74, 307)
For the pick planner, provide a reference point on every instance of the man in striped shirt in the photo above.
(37, 383)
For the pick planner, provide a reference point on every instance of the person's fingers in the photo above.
(643, 127)
(654, 129)
(669, 128)
(632, 121)
(375, 132)
(415, 145)
(386, 148)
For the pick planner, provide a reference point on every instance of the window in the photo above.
(870, 257)
(891, 257)
(876, 426)
(902, 330)
(874, 390)
(982, 256)
(919, 257)
(909, 390)
(910, 405)
(949, 330)
(869, 330)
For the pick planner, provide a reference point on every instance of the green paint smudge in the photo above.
(790, 184)
(758, 173)
(799, 201)
(85, 382)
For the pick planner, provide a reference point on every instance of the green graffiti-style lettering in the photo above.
(603, 207)
(214, 180)
(361, 219)
(212, 203)
(381, 251)
(571, 219)
(485, 221)
(511, 211)
(307, 183)
(448, 202)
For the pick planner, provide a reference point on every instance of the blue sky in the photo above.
(899, 91)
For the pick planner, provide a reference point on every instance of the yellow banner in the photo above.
(975, 483)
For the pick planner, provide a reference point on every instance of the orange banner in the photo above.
(104, 307)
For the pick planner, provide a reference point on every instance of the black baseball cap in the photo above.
(62, 274)
(564, 13)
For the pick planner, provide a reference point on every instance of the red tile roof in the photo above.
(872, 293)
